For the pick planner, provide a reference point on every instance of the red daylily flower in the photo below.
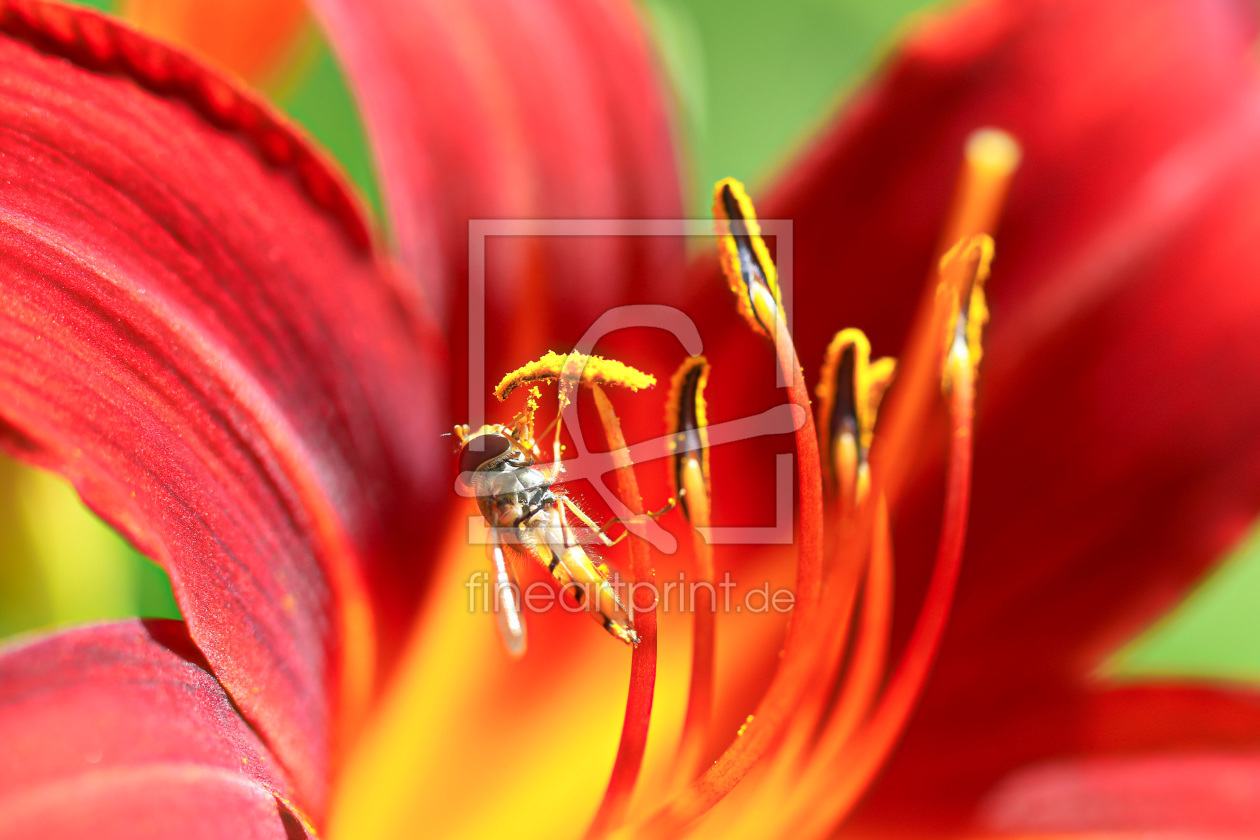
(203, 335)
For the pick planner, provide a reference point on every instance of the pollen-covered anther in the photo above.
(849, 390)
(745, 258)
(588, 370)
(687, 423)
(964, 271)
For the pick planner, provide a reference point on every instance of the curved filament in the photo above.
(634, 729)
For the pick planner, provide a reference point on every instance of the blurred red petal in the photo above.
(1163, 758)
(119, 730)
(498, 110)
(1122, 301)
(957, 772)
(196, 333)
(1178, 796)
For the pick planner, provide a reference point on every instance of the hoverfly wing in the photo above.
(507, 599)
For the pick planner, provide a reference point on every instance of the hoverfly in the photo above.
(525, 513)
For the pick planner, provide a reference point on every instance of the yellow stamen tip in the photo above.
(993, 152)
(964, 271)
(686, 419)
(850, 389)
(745, 258)
(590, 370)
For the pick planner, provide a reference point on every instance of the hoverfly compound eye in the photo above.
(479, 451)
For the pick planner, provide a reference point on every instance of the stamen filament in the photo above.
(856, 765)
(687, 423)
(696, 721)
(865, 675)
(800, 650)
(634, 729)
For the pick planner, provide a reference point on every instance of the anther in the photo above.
(689, 437)
(589, 370)
(964, 270)
(745, 258)
(849, 391)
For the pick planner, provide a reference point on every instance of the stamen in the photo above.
(634, 729)
(849, 391)
(965, 304)
(863, 679)
(595, 370)
(687, 423)
(745, 258)
(944, 349)
(748, 269)
(950, 336)
(815, 774)
(826, 719)
(857, 764)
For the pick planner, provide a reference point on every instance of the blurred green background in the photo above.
(752, 80)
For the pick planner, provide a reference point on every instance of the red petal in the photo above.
(119, 730)
(494, 110)
(1162, 758)
(195, 332)
(1116, 454)
(1121, 297)
(1201, 795)
(951, 767)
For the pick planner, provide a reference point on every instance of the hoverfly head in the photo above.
(481, 450)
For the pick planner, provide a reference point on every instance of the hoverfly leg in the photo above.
(588, 522)
(507, 599)
(656, 514)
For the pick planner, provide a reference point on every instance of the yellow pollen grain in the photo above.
(595, 371)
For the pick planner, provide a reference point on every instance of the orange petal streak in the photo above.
(259, 40)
